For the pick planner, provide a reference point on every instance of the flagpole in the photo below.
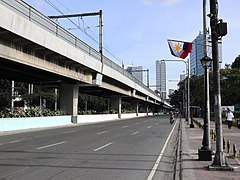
(178, 41)
(174, 40)
(188, 94)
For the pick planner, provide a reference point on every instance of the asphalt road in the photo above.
(125, 149)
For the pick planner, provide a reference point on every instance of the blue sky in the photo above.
(136, 31)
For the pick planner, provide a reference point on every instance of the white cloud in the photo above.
(166, 2)
(171, 2)
(147, 2)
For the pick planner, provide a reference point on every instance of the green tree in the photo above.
(236, 63)
(230, 81)
(178, 95)
(197, 91)
(5, 94)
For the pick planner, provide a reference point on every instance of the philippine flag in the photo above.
(180, 49)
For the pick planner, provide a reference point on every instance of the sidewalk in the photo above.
(192, 168)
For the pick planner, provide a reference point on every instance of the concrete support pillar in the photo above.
(135, 104)
(147, 109)
(116, 103)
(69, 100)
(153, 109)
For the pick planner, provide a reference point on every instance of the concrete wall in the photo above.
(11, 124)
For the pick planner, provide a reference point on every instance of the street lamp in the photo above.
(205, 153)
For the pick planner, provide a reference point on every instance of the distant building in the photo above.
(198, 53)
(161, 78)
(136, 71)
(170, 91)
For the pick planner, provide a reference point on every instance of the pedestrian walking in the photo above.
(229, 118)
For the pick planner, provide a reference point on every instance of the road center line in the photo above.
(101, 126)
(135, 133)
(14, 141)
(237, 161)
(150, 177)
(67, 132)
(149, 127)
(102, 132)
(51, 145)
(97, 149)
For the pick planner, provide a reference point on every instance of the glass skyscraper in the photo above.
(198, 53)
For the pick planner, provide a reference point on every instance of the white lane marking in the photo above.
(156, 123)
(51, 145)
(160, 156)
(149, 127)
(237, 161)
(124, 126)
(138, 123)
(135, 133)
(14, 141)
(67, 132)
(97, 149)
(102, 132)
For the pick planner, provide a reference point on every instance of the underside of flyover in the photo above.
(15, 71)
(33, 75)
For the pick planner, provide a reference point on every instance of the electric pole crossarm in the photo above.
(100, 27)
(75, 15)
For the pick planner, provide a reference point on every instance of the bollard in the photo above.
(234, 150)
(228, 146)
(224, 143)
(211, 133)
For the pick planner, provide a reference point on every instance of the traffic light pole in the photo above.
(219, 162)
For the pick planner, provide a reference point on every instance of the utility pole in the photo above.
(100, 38)
(217, 30)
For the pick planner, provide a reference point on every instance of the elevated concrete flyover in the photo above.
(35, 49)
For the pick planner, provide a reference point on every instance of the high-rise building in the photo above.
(161, 78)
(136, 71)
(198, 53)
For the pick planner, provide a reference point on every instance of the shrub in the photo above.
(31, 112)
